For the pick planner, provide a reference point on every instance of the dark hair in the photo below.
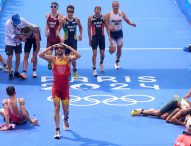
(10, 90)
(97, 7)
(25, 29)
(70, 6)
(54, 3)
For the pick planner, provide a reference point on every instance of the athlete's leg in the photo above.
(17, 63)
(102, 55)
(119, 50)
(169, 118)
(65, 108)
(102, 52)
(94, 56)
(49, 53)
(35, 62)
(2, 60)
(56, 111)
(9, 53)
(5, 112)
(26, 116)
(150, 112)
(18, 51)
(9, 61)
(25, 61)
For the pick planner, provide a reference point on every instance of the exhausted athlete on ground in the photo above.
(14, 110)
(166, 110)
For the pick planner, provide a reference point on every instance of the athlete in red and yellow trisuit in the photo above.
(60, 86)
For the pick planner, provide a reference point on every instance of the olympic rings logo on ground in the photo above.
(111, 100)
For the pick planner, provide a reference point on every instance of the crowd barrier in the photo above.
(185, 7)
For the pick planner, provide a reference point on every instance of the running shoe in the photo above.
(102, 67)
(116, 65)
(94, 73)
(23, 76)
(136, 112)
(17, 74)
(11, 76)
(57, 135)
(65, 124)
(76, 76)
(5, 68)
(34, 74)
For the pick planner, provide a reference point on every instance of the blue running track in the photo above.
(153, 69)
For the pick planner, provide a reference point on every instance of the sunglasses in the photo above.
(54, 7)
(70, 11)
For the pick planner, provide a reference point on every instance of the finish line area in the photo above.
(154, 68)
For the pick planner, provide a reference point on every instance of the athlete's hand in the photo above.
(64, 45)
(80, 37)
(33, 59)
(34, 122)
(134, 25)
(47, 33)
(110, 41)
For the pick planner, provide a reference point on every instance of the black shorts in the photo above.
(9, 49)
(29, 44)
(98, 41)
(170, 106)
(116, 35)
(71, 43)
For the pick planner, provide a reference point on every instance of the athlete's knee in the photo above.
(10, 57)
(18, 56)
(56, 108)
(94, 53)
(26, 56)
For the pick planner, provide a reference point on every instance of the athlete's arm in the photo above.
(89, 30)
(61, 23)
(107, 27)
(187, 95)
(46, 57)
(47, 27)
(60, 17)
(80, 29)
(75, 54)
(127, 20)
(8, 31)
(6, 111)
(25, 113)
(35, 53)
(176, 117)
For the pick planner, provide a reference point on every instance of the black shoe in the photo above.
(17, 74)
(11, 76)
